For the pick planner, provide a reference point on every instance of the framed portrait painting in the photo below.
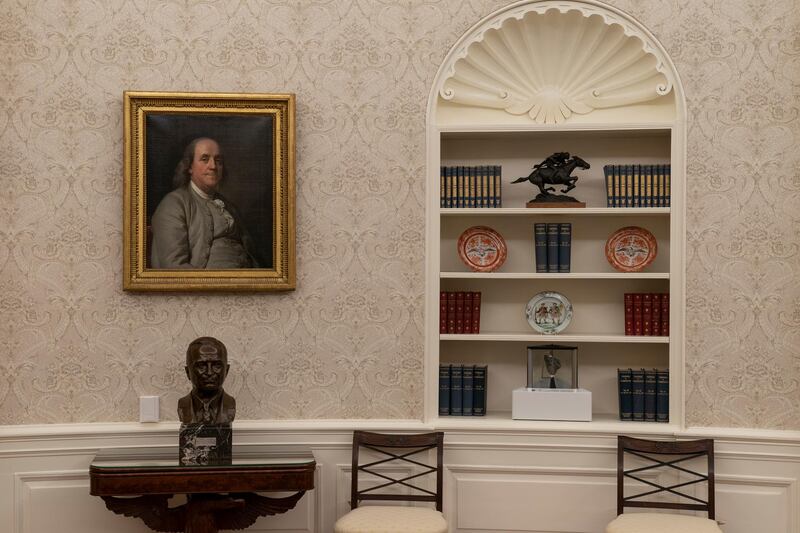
(209, 192)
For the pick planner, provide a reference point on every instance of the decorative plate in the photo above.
(549, 312)
(482, 249)
(631, 249)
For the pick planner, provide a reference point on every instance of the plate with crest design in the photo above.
(631, 249)
(482, 249)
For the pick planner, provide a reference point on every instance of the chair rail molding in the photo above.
(596, 57)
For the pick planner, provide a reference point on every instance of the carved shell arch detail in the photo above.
(552, 59)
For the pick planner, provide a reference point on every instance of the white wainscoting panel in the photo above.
(530, 499)
(534, 481)
(57, 501)
(750, 504)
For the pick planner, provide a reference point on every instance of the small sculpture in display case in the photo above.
(544, 362)
(552, 391)
(555, 170)
(207, 411)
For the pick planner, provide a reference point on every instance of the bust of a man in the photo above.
(206, 366)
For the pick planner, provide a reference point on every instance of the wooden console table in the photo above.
(138, 482)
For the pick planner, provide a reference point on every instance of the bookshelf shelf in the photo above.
(561, 338)
(601, 423)
(571, 275)
(588, 211)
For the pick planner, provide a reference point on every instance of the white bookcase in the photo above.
(468, 125)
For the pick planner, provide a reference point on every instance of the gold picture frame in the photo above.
(225, 226)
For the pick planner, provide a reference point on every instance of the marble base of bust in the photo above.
(205, 444)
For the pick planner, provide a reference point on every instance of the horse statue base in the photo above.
(554, 201)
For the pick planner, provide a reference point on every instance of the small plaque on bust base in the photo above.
(205, 444)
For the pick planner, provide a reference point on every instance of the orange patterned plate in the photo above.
(482, 249)
(631, 249)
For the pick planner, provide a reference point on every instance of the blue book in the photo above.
(667, 191)
(444, 390)
(540, 246)
(490, 187)
(470, 186)
(628, 186)
(456, 389)
(637, 394)
(662, 396)
(564, 246)
(552, 247)
(650, 395)
(625, 395)
(467, 390)
(459, 186)
(448, 185)
(499, 186)
(608, 172)
(484, 181)
(479, 390)
(442, 186)
(659, 185)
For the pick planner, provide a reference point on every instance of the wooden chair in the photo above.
(395, 450)
(654, 452)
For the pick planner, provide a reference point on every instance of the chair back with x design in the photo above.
(678, 452)
(401, 448)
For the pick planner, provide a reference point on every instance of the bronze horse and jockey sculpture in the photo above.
(555, 170)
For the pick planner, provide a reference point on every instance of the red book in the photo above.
(468, 312)
(647, 314)
(657, 314)
(637, 313)
(628, 313)
(665, 314)
(476, 312)
(451, 312)
(459, 312)
(442, 311)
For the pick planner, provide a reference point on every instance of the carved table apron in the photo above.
(139, 482)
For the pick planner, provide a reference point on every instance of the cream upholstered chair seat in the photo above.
(391, 519)
(661, 523)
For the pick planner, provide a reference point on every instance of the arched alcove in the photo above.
(531, 79)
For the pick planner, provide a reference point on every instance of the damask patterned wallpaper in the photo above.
(349, 342)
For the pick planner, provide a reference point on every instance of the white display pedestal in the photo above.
(551, 404)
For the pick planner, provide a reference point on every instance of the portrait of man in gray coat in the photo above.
(194, 226)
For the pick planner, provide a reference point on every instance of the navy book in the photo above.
(444, 390)
(442, 187)
(608, 171)
(467, 390)
(625, 395)
(650, 395)
(540, 246)
(564, 246)
(552, 247)
(662, 396)
(637, 393)
(479, 390)
(456, 390)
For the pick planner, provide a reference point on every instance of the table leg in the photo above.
(203, 512)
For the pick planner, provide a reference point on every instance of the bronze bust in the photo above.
(206, 367)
